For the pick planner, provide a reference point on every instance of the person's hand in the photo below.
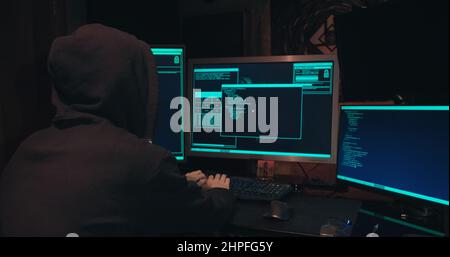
(197, 177)
(217, 181)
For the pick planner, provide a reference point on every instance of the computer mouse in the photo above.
(279, 211)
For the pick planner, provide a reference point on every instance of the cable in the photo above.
(304, 173)
(331, 195)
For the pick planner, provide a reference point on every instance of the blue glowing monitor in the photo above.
(307, 108)
(397, 149)
(169, 62)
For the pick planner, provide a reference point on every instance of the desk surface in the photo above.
(311, 213)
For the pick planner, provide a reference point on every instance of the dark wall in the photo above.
(156, 22)
(385, 46)
(219, 35)
(399, 48)
(226, 28)
(25, 104)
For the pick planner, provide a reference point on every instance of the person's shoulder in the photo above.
(141, 153)
(130, 143)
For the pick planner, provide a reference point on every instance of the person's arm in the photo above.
(184, 206)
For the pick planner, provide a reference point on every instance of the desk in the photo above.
(391, 225)
(310, 213)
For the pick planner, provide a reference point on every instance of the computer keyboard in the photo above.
(254, 189)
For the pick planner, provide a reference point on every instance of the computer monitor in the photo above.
(397, 149)
(169, 62)
(306, 88)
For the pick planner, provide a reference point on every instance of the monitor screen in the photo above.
(399, 149)
(170, 67)
(288, 113)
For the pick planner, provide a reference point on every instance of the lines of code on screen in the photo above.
(398, 149)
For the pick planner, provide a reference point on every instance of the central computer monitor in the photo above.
(306, 89)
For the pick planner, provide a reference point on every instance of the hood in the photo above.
(100, 71)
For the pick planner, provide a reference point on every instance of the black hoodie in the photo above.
(94, 172)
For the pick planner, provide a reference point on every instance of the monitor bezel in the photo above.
(272, 59)
(184, 147)
(387, 193)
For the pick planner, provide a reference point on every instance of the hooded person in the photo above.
(94, 171)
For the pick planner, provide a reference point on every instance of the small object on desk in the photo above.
(265, 170)
(279, 211)
(329, 230)
(348, 222)
(373, 233)
(336, 228)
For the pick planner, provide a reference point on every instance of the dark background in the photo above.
(209, 28)
(399, 48)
